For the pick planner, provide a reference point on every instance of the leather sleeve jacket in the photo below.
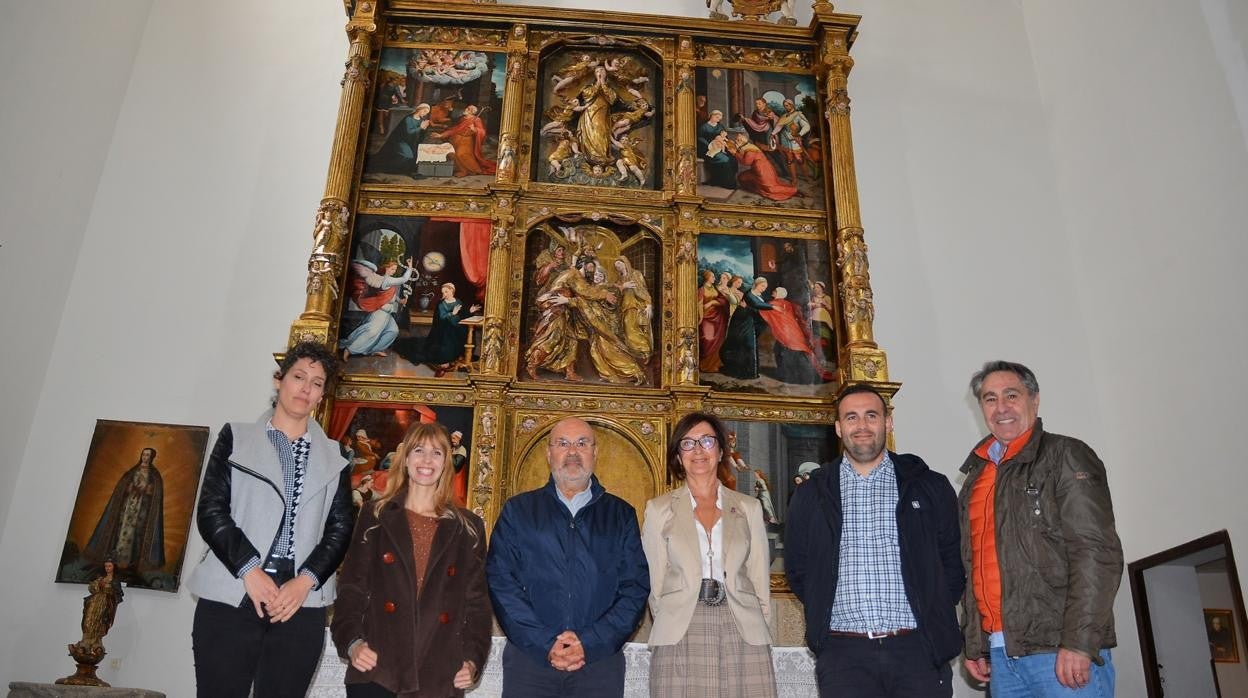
(241, 504)
(1057, 548)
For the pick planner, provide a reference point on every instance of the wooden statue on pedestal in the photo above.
(99, 609)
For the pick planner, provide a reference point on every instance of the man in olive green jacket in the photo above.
(1043, 560)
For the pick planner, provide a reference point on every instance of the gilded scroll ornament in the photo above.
(450, 36)
(773, 413)
(760, 224)
(400, 203)
(754, 56)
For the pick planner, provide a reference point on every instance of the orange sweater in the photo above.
(985, 572)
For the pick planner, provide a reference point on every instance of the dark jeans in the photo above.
(891, 667)
(234, 648)
(525, 678)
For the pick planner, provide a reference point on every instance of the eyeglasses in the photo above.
(564, 445)
(707, 442)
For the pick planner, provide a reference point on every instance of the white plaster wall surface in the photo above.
(66, 67)
(1152, 168)
(191, 270)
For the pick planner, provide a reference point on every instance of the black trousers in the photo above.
(525, 678)
(891, 667)
(368, 690)
(234, 648)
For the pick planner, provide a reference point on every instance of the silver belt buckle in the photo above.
(872, 635)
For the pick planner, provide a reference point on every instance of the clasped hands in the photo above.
(281, 602)
(567, 654)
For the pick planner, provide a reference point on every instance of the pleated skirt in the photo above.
(712, 661)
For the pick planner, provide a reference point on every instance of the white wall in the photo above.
(1054, 182)
(189, 272)
(66, 71)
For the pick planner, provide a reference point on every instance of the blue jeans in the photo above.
(1035, 676)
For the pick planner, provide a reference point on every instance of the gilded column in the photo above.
(513, 106)
(864, 360)
(686, 152)
(684, 367)
(496, 346)
(331, 232)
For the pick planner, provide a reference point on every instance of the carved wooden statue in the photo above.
(99, 609)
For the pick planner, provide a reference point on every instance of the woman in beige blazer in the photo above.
(709, 581)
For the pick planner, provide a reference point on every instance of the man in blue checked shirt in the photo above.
(873, 551)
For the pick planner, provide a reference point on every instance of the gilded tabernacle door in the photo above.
(535, 213)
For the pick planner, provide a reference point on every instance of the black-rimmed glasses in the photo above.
(707, 442)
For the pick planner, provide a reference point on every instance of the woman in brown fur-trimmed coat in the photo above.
(413, 613)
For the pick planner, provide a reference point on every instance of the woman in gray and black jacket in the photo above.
(275, 510)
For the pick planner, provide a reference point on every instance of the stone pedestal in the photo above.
(23, 689)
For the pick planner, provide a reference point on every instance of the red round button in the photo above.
(390, 607)
(388, 558)
(450, 571)
(444, 618)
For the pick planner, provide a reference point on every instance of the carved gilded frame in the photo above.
(514, 412)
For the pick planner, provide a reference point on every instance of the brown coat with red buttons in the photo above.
(420, 644)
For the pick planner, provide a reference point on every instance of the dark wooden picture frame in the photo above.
(1220, 626)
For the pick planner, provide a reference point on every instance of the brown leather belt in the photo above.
(872, 635)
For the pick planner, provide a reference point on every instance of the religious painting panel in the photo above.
(765, 316)
(768, 459)
(598, 118)
(414, 293)
(759, 138)
(590, 291)
(370, 433)
(134, 504)
(435, 117)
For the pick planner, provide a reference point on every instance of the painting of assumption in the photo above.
(370, 434)
(413, 296)
(435, 117)
(597, 120)
(768, 459)
(765, 321)
(759, 140)
(134, 504)
(589, 305)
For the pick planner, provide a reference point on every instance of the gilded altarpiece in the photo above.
(532, 213)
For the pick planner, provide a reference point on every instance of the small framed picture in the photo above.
(1220, 626)
(134, 504)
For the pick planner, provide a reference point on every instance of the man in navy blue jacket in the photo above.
(872, 550)
(567, 576)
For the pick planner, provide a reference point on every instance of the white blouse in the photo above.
(711, 546)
